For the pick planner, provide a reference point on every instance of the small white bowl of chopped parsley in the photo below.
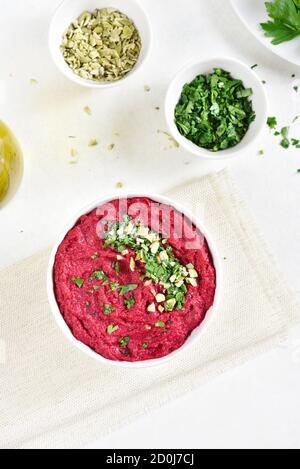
(99, 44)
(216, 108)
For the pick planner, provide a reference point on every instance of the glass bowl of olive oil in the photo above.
(11, 164)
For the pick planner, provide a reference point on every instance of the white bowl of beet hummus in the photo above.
(133, 281)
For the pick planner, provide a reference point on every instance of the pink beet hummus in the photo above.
(118, 324)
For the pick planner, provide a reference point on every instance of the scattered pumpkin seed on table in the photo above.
(104, 45)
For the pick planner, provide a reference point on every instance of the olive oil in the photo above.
(11, 164)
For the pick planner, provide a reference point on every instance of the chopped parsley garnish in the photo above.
(160, 324)
(272, 122)
(111, 329)
(160, 264)
(254, 66)
(214, 111)
(88, 303)
(124, 289)
(145, 345)
(285, 142)
(130, 302)
(79, 282)
(124, 341)
(108, 309)
(98, 275)
(116, 267)
(114, 286)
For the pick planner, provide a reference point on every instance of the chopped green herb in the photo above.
(124, 289)
(161, 265)
(285, 143)
(111, 329)
(295, 142)
(125, 352)
(145, 345)
(116, 267)
(124, 341)
(96, 287)
(296, 88)
(108, 309)
(79, 282)
(99, 275)
(298, 171)
(129, 302)
(214, 111)
(272, 122)
(264, 82)
(295, 119)
(254, 66)
(160, 324)
(261, 152)
(114, 286)
(88, 303)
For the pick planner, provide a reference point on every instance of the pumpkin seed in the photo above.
(104, 45)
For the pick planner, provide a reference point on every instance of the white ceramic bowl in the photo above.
(70, 10)
(196, 334)
(239, 71)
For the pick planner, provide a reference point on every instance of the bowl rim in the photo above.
(64, 68)
(202, 152)
(199, 331)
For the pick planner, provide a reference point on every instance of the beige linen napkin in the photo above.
(52, 396)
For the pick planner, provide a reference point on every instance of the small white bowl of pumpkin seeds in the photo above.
(99, 43)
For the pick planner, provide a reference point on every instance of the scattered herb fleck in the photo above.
(272, 122)
(111, 329)
(124, 341)
(79, 282)
(129, 302)
(160, 324)
(98, 275)
(108, 309)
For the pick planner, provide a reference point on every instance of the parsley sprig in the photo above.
(284, 23)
